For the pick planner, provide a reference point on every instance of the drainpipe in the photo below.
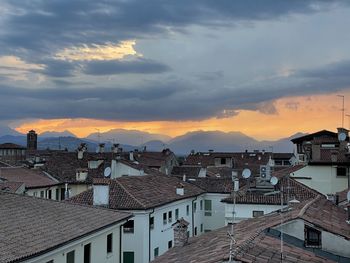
(120, 242)
(193, 215)
(149, 235)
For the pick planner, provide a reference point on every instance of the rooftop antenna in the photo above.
(98, 135)
(342, 109)
(246, 173)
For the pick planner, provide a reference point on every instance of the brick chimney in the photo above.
(180, 232)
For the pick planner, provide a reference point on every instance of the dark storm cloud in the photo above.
(57, 68)
(45, 26)
(171, 101)
(110, 67)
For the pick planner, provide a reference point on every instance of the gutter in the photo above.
(149, 235)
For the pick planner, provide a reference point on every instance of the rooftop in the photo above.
(254, 245)
(141, 192)
(11, 146)
(32, 178)
(31, 226)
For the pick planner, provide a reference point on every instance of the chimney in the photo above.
(184, 178)
(81, 149)
(131, 156)
(100, 193)
(101, 148)
(115, 147)
(180, 190)
(81, 175)
(180, 232)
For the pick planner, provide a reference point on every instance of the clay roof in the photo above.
(10, 187)
(11, 146)
(309, 137)
(32, 178)
(253, 244)
(188, 170)
(141, 192)
(31, 226)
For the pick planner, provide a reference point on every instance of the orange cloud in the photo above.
(294, 114)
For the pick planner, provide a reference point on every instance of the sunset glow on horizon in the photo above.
(295, 114)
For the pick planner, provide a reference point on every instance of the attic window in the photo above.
(312, 237)
(223, 160)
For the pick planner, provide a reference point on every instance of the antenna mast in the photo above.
(342, 109)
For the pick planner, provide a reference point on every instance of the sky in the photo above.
(266, 68)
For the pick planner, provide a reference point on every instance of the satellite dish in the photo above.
(348, 196)
(246, 173)
(274, 180)
(107, 171)
(342, 136)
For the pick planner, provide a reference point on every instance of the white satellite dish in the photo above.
(342, 136)
(246, 173)
(348, 196)
(274, 180)
(107, 171)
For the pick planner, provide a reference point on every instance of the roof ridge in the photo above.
(130, 194)
(307, 205)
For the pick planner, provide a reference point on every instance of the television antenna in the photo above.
(342, 109)
(107, 172)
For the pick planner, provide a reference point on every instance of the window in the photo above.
(87, 253)
(201, 205)
(170, 244)
(194, 207)
(151, 222)
(57, 194)
(129, 226)
(109, 243)
(223, 160)
(62, 194)
(312, 237)
(278, 162)
(207, 207)
(128, 257)
(201, 228)
(341, 171)
(258, 213)
(164, 219)
(70, 257)
(187, 210)
(176, 214)
(42, 194)
(195, 231)
(35, 194)
(156, 252)
(49, 194)
(170, 216)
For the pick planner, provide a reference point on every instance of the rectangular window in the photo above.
(63, 194)
(151, 222)
(129, 227)
(156, 252)
(49, 194)
(187, 210)
(207, 207)
(170, 244)
(42, 194)
(258, 213)
(57, 194)
(194, 207)
(176, 214)
(35, 194)
(164, 219)
(223, 160)
(312, 237)
(195, 231)
(278, 162)
(201, 205)
(341, 171)
(109, 243)
(87, 253)
(201, 228)
(70, 257)
(128, 257)
(170, 216)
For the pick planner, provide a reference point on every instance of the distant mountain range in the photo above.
(133, 139)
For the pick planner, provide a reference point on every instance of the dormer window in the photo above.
(312, 237)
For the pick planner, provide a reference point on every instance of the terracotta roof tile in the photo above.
(30, 225)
